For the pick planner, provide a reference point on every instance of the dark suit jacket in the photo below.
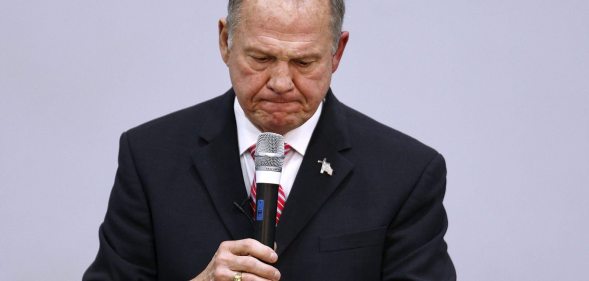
(379, 217)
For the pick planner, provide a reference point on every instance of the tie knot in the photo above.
(252, 150)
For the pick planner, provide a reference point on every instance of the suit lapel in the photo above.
(217, 163)
(216, 160)
(311, 189)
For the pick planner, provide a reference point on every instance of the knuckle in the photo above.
(215, 264)
(249, 262)
(218, 273)
(224, 245)
(249, 240)
(249, 243)
(222, 258)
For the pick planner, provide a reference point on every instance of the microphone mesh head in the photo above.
(269, 152)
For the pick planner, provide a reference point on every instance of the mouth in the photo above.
(279, 105)
(277, 101)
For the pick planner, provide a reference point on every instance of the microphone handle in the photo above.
(265, 216)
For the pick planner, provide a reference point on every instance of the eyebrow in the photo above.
(257, 50)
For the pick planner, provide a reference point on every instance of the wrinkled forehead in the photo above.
(273, 13)
(288, 5)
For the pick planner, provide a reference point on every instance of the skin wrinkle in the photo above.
(281, 61)
(295, 7)
(305, 52)
(274, 19)
(336, 10)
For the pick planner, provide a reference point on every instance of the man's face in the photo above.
(281, 60)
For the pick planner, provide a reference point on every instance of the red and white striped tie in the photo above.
(281, 196)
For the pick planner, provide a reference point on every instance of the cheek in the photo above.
(246, 81)
(313, 86)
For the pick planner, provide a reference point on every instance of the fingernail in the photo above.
(277, 275)
(274, 256)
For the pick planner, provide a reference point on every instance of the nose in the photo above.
(280, 78)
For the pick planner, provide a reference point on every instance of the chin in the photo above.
(279, 127)
(280, 123)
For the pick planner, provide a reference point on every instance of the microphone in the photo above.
(269, 158)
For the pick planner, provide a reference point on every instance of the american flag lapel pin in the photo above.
(325, 167)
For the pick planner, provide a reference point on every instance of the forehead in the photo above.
(279, 7)
(286, 18)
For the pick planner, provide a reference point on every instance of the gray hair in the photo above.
(338, 9)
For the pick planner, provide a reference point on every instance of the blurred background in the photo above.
(500, 88)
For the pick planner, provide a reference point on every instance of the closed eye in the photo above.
(303, 63)
(261, 59)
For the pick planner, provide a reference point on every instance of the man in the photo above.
(175, 213)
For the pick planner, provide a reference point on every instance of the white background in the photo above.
(501, 88)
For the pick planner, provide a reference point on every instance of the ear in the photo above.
(224, 39)
(341, 46)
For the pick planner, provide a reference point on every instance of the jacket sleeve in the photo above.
(415, 248)
(126, 239)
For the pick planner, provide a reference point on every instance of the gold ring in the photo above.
(237, 276)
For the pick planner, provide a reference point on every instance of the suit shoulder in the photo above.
(381, 138)
(179, 126)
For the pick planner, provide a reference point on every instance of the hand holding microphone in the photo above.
(248, 258)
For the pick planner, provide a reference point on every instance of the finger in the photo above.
(249, 264)
(223, 273)
(250, 277)
(253, 248)
(227, 274)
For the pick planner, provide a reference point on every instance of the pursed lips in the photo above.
(278, 105)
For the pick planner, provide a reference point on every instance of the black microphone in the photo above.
(269, 158)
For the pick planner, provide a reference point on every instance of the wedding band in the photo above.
(237, 276)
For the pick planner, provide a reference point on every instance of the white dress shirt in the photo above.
(298, 139)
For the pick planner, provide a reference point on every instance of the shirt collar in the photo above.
(298, 139)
